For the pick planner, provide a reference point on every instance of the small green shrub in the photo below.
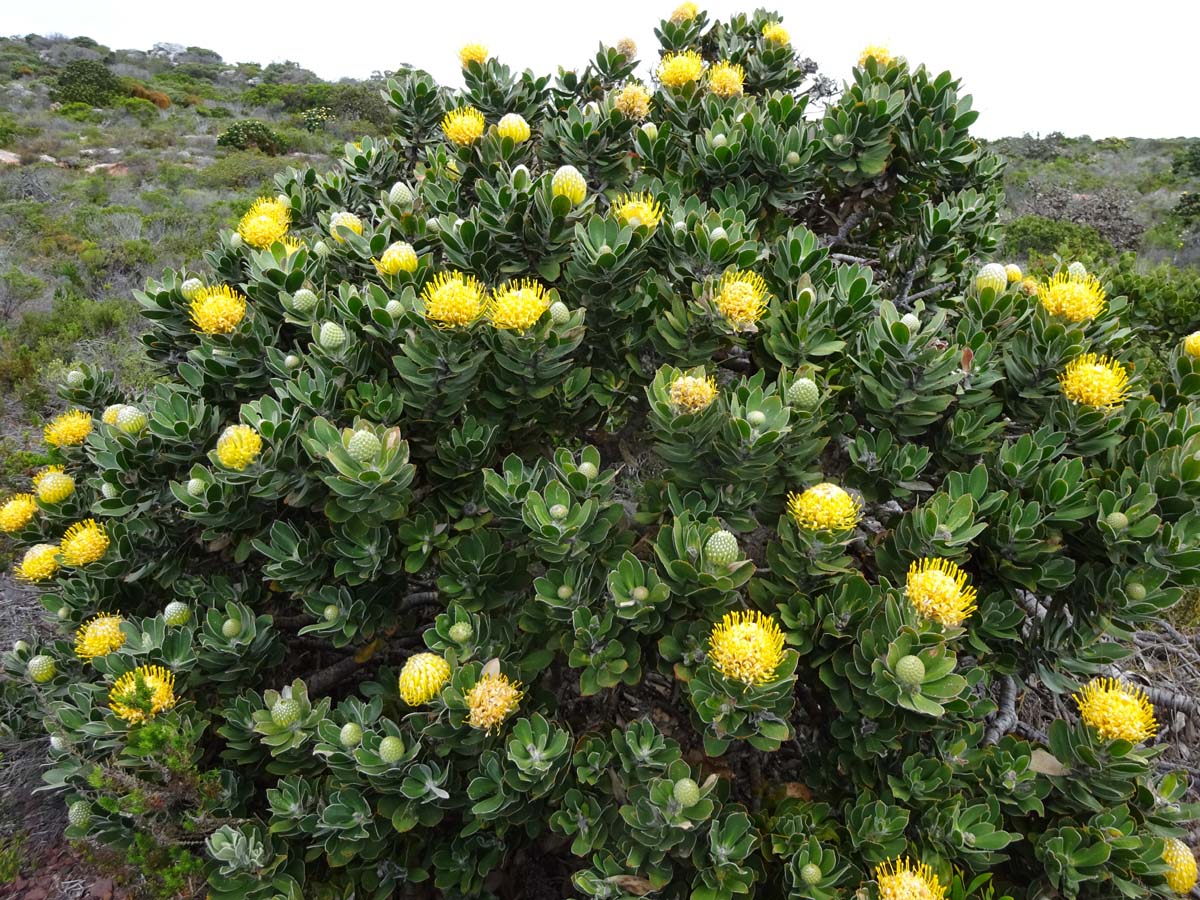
(1036, 234)
(79, 112)
(251, 134)
(142, 110)
(249, 169)
(86, 81)
(1163, 298)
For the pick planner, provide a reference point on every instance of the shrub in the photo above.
(158, 98)
(1163, 299)
(667, 508)
(142, 110)
(251, 134)
(1037, 234)
(86, 81)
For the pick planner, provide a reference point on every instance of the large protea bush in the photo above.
(627, 488)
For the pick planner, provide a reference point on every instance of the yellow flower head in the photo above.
(725, 79)
(266, 222)
(1073, 299)
(633, 101)
(453, 300)
(568, 182)
(218, 310)
(881, 55)
(937, 589)
(68, 429)
(347, 220)
(142, 694)
(742, 298)
(1181, 866)
(17, 512)
(746, 646)
(463, 126)
(902, 879)
(1117, 710)
(684, 12)
(1013, 273)
(518, 305)
(637, 210)
(238, 446)
(39, 563)
(83, 543)
(1191, 344)
(422, 677)
(824, 507)
(691, 394)
(99, 636)
(398, 257)
(292, 245)
(775, 33)
(513, 126)
(679, 69)
(53, 485)
(470, 53)
(491, 701)
(1096, 381)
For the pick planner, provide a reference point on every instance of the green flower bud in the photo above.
(811, 874)
(285, 713)
(687, 792)
(910, 671)
(721, 549)
(75, 378)
(331, 336)
(231, 628)
(558, 512)
(641, 593)
(650, 130)
(1136, 591)
(793, 158)
(304, 300)
(400, 196)
(41, 669)
(565, 592)
(718, 234)
(20, 646)
(559, 314)
(804, 394)
(718, 140)
(79, 814)
(588, 470)
(235, 241)
(196, 487)
(391, 749)
(1117, 520)
(291, 361)
(363, 446)
(331, 613)
(177, 613)
(1077, 270)
(350, 735)
(394, 308)
(109, 491)
(461, 632)
(757, 418)
(191, 288)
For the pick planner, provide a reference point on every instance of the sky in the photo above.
(1032, 66)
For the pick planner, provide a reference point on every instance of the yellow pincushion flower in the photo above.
(741, 298)
(775, 33)
(17, 512)
(53, 485)
(266, 222)
(218, 310)
(937, 589)
(514, 127)
(518, 305)
(347, 220)
(83, 543)
(568, 182)
(725, 79)
(881, 55)
(902, 879)
(691, 394)
(292, 245)
(491, 701)
(452, 300)
(1117, 710)
(238, 446)
(633, 101)
(142, 694)
(398, 257)
(684, 12)
(1013, 273)
(1073, 299)
(463, 126)
(99, 636)
(473, 53)
(39, 563)
(746, 646)
(679, 69)
(824, 507)
(69, 429)
(1181, 866)
(637, 210)
(1095, 381)
(1191, 344)
(423, 676)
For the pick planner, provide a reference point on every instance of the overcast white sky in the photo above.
(1032, 65)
